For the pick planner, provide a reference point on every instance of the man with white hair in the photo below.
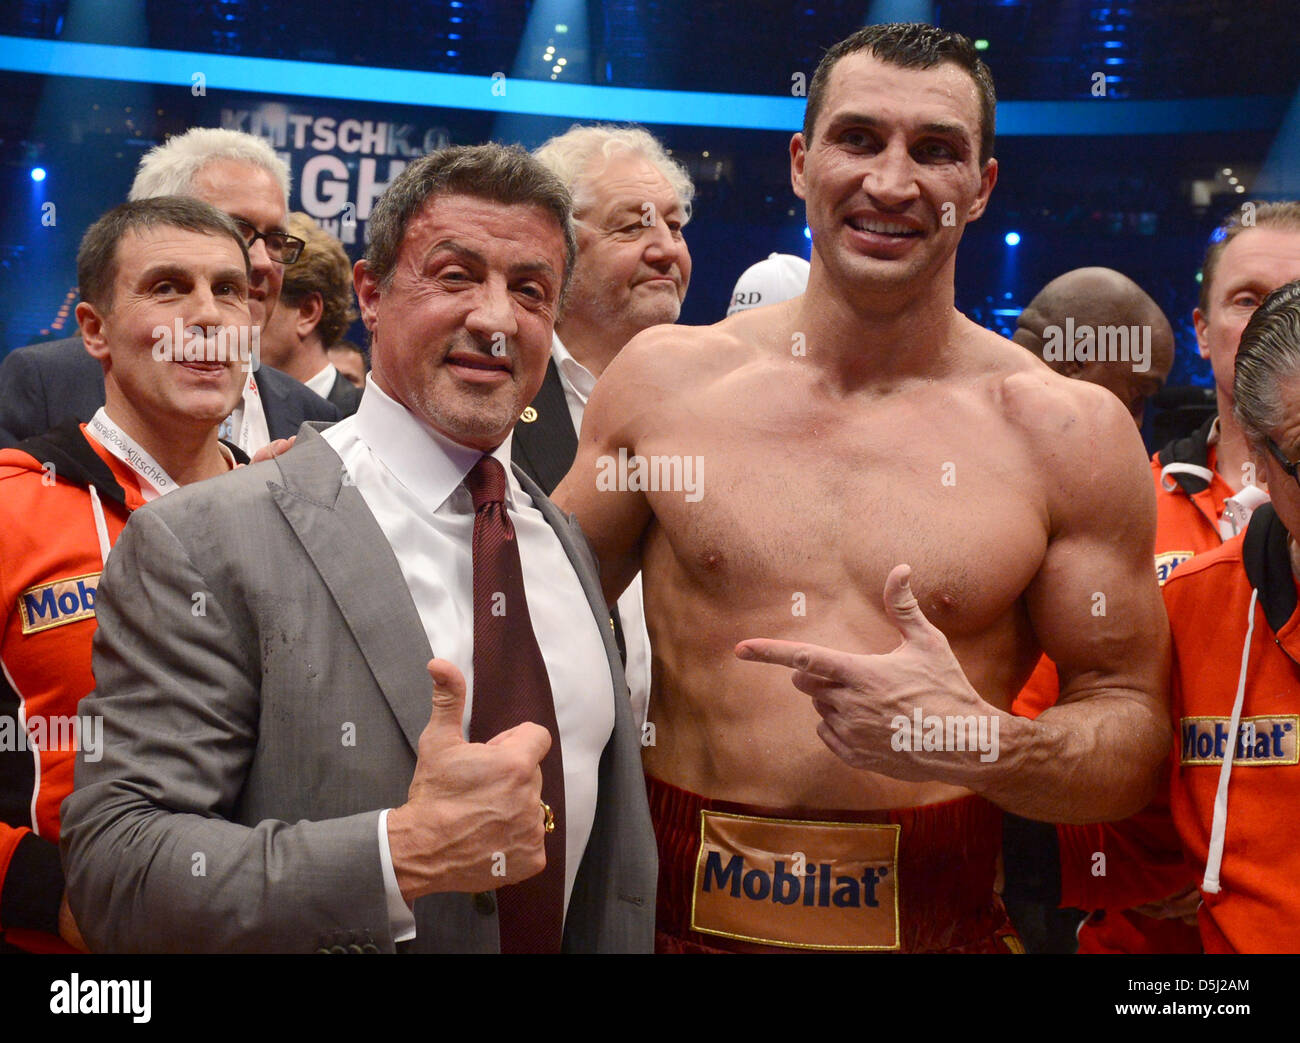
(43, 385)
(631, 202)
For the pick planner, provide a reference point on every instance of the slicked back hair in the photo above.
(1268, 357)
(506, 174)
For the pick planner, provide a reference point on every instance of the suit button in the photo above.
(485, 902)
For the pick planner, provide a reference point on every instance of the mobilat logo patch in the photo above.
(799, 884)
(1170, 560)
(56, 603)
(1260, 740)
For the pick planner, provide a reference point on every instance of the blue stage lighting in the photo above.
(38, 173)
(1012, 239)
(807, 232)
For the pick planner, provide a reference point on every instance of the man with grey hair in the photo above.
(45, 384)
(273, 779)
(631, 204)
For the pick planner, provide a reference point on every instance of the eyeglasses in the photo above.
(280, 246)
(1289, 466)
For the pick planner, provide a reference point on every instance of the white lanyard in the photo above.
(253, 432)
(154, 481)
(1237, 510)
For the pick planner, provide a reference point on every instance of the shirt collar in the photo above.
(323, 382)
(427, 463)
(574, 373)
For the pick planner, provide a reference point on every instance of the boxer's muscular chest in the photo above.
(825, 498)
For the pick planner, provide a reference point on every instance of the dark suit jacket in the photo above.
(43, 385)
(229, 813)
(544, 447)
(345, 396)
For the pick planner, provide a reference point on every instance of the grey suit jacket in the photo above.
(260, 671)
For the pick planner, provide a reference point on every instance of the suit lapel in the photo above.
(274, 404)
(584, 564)
(353, 557)
(545, 447)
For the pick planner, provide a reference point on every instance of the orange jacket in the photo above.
(50, 562)
(1187, 506)
(1257, 908)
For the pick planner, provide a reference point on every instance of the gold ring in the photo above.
(550, 816)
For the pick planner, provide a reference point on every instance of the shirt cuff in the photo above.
(401, 921)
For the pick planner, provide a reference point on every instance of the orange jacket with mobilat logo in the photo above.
(1257, 908)
(50, 563)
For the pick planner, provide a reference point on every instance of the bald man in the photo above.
(1098, 325)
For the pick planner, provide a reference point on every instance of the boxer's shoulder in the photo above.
(1076, 435)
(673, 359)
(1045, 404)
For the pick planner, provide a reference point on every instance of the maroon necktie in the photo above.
(511, 686)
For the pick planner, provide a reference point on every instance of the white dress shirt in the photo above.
(410, 477)
(578, 382)
(246, 426)
(323, 382)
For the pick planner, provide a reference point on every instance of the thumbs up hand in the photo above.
(869, 703)
(473, 817)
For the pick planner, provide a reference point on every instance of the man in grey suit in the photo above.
(271, 777)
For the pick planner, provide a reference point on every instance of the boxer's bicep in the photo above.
(1096, 610)
(1095, 604)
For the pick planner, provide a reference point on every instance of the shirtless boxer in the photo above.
(865, 425)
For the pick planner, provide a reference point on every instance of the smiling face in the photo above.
(462, 333)
(1253, 264)
(892, 175)
(633, 266)
(165, 274)
(249, 193)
